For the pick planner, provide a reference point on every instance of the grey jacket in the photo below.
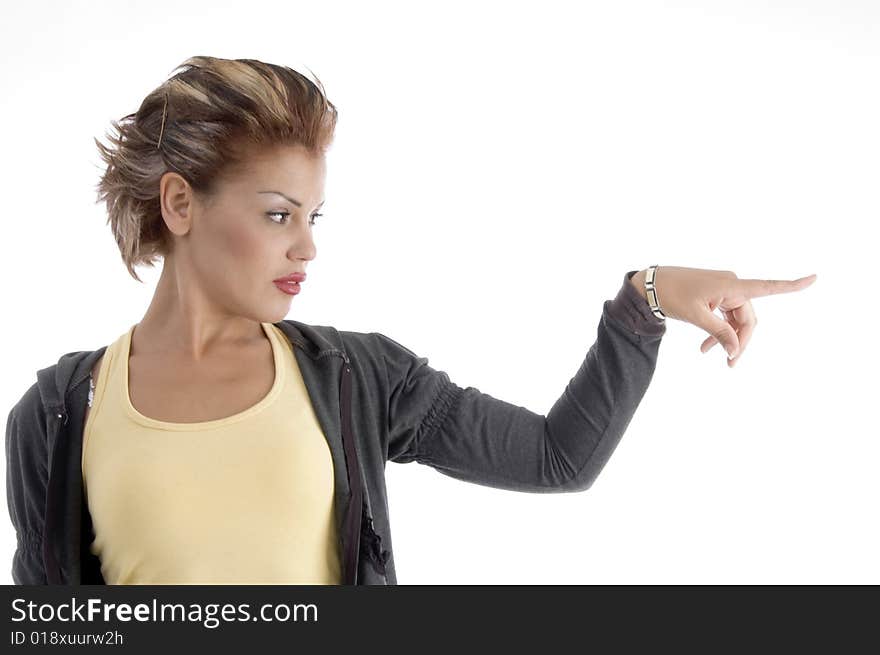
(376, 401)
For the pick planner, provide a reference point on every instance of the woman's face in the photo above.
(249, 233)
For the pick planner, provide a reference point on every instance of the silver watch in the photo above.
(651, 292)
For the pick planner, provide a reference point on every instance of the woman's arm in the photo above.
(475, 437)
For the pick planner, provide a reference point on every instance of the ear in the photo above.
(176, 202)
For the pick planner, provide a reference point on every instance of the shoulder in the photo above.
(47, 391)
(28, 405)
(319, 338)
(367, 348)
(375, 344)
(26, 441)
(96, 368)
(379, 357)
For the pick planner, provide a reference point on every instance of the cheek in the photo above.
(244, 245)
(236, 256)
(249, 257)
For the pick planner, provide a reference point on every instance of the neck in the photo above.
(182, 322)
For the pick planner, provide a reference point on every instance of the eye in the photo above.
(284, 215)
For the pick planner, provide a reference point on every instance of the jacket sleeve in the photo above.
(26, 481)
(470, 435)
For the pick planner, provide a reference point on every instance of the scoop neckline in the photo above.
(273, 392)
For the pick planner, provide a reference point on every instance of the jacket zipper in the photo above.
(53, 568)
(353, 518)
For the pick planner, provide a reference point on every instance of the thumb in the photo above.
(722, 331)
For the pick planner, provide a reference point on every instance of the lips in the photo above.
(290, 288)
(293, 277)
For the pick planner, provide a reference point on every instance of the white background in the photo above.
(498, 167)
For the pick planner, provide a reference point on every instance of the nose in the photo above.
(302, 246)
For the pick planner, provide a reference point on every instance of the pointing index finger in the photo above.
(756, 288)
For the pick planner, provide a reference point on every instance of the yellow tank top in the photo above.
(245, 499)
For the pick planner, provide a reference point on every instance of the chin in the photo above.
(267, 314)
(276, 316)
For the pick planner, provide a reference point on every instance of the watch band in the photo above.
(651, 292)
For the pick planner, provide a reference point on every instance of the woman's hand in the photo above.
(693, 294)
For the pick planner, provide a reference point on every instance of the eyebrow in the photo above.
(289, 199)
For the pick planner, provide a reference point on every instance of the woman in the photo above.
(215, 441)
